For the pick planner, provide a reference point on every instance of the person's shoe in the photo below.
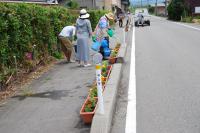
(80, 64)
(87, 65)
(72, 61)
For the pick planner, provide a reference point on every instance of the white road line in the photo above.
(188, 26)
(178, 23)
(131, 107)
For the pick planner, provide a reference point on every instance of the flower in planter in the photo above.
(90, 105)
(104, 74)
(105, 63)
(118, 45)
(113, 54)
(103, 69)
(93, 92)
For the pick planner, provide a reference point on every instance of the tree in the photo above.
(176, 9)
(151, 9)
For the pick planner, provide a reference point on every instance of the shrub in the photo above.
(187, 19)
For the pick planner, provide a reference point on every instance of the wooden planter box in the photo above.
(87, 116)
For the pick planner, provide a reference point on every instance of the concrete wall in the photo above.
(89, 4)
(99, 4)
(108, 4)
(117, 3)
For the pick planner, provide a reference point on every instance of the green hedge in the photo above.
(23, 26)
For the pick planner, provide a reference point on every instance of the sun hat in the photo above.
(84, 14)
(110, 15)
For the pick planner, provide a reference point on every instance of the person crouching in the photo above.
(66, 38)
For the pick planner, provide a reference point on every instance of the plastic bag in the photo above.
(106, 52)
(96, 46)
(104, 43)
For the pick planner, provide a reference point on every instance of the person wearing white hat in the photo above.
(83, 33)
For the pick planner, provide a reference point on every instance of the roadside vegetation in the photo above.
(179, 11)
(29, 36)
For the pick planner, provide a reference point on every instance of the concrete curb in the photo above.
(102, 123)
(122, 52)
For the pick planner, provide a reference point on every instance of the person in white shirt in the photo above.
(66, 38)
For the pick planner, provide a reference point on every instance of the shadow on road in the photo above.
(54, 95)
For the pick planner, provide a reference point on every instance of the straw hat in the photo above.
(110, 15)
(84, 14)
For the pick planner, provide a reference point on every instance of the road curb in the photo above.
(102, 123)
(121, 54)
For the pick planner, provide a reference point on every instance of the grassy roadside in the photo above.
(191, 19)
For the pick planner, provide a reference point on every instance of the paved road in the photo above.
(167, 78)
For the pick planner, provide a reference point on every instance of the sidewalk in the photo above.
(51, 104)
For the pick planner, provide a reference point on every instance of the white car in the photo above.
(142, 17)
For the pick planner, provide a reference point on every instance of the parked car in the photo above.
(142, 17)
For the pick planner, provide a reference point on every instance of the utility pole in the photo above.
(141, 4)
(94, 4)
(165, 7)
(156, 7)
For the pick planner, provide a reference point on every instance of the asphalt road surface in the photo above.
(167, 78)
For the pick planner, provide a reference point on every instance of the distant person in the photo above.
(140, 19)
(118, 11)
(83, 33)
(66, 38)
(119, 15)
(128, 20)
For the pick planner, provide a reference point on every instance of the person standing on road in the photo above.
(128, 20)
(119, 15)
(66, 38)
(83, 33)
